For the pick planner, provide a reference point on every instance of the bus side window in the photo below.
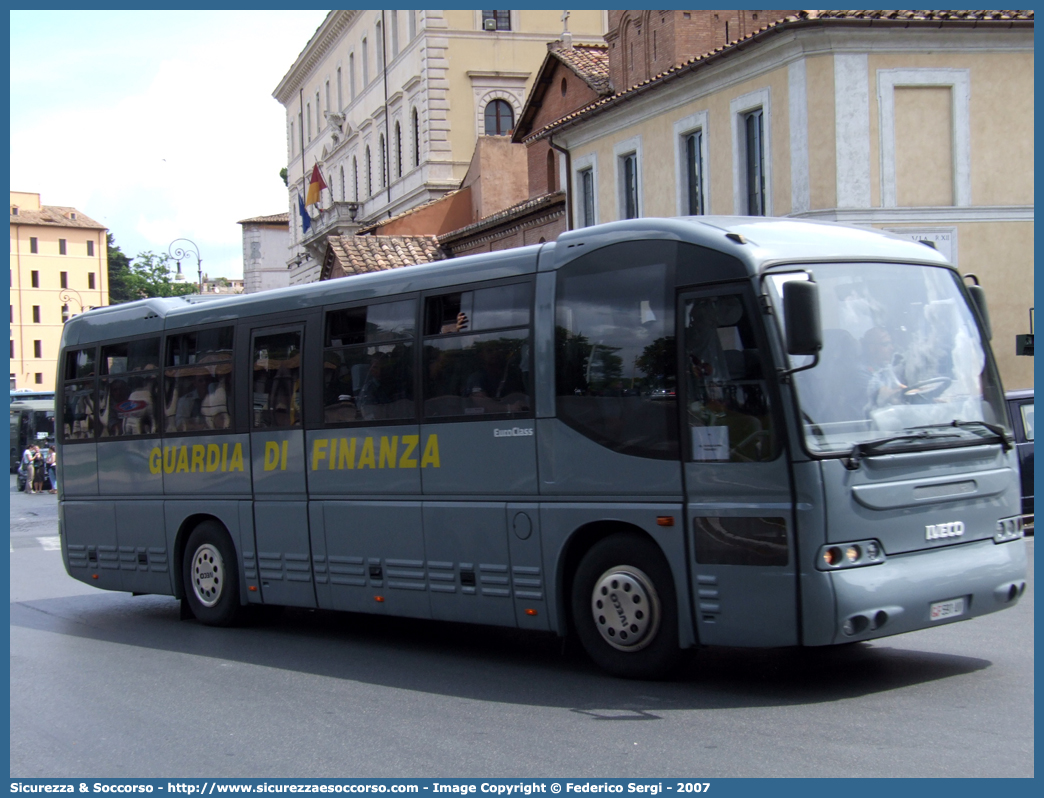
(728, 411)
(482, 368)
(368, 363)
(129, 389)
(277, 381)
(78, 395)
(198, 381)
(615, 355)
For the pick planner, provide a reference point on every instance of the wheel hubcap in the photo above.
(625, 608)
(208, 575)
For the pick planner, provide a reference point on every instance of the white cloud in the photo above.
(194, 144)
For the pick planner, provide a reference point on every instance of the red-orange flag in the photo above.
(315, 185)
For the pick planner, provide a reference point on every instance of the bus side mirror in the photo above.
(978, 294)
(801, 310)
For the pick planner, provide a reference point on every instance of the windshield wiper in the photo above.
(861, 450)
(1006, 440)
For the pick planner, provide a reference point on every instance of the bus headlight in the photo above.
(1008, 529)
(850, 555)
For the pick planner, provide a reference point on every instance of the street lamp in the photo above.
(65, 296)
(182, 252)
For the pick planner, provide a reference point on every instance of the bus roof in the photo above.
(759, 242)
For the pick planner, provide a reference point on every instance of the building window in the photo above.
(412, 16)
(694, 173)
(587, 207)
(308, 116)
(355, 178)
(416, 138)
(36, 314)
(351, 75)
(61, 246)
(398, 150)
(551, 171)
(379, 39)
(12, 349)
(318, 116)
(753, 123)
(34, 246)
(328, 109)
(496, 20)
(340, 94)
(366, 64)
(39, 378)
(369, 174)
(90, 280)
(343, 188)
(629, 187)
(384, 162)
(292, 153)
(63, 279)
(34, 279)
(37, 349)
(500, 118)
(90, 249)
(395, 32)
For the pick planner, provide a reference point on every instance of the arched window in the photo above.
(342, 184)
(398, 150)
(355, 176)
(500, 118)
(383, 177)
(416, 139)
(551, 171)
(369, 173)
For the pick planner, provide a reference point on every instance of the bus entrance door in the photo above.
(283, 548)
(736, 478)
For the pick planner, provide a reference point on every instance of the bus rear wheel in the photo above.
(624, 608)
(211, 575)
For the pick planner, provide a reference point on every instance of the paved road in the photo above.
(105, 684)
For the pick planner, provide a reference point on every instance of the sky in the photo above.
(159, 125)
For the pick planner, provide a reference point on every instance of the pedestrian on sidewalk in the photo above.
(51, 463)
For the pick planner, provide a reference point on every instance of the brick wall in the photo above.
(642, 44)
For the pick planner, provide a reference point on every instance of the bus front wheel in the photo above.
(211, 576)
(624, 607)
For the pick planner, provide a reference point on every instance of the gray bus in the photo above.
(653, 434)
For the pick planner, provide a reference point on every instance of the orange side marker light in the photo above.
(665, 520)
(531, 612)
(378, 599)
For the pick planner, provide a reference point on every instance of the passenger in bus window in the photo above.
(214, 404)
(118, 392)
(460, 324)
(284, 399)
(137, 413)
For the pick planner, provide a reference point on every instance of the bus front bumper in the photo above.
(927, 588)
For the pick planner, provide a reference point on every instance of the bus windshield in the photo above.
(903, 365)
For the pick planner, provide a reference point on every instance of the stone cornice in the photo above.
(318, 47)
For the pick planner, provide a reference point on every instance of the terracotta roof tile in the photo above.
(276, 218)
(590, 62)
(354, 254)
(900, 18)
(55, 216)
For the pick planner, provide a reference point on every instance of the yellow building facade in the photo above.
(390, 105)
(59, 268)
(920, 124)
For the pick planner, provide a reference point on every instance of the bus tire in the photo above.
(624, 607)
(210, 574)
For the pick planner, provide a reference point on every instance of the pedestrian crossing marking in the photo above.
(50, 543)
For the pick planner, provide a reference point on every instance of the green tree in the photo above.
(282, 174)
(147, 275)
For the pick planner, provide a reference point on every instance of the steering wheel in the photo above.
(926, 390)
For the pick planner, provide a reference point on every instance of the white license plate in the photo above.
(946, 609)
